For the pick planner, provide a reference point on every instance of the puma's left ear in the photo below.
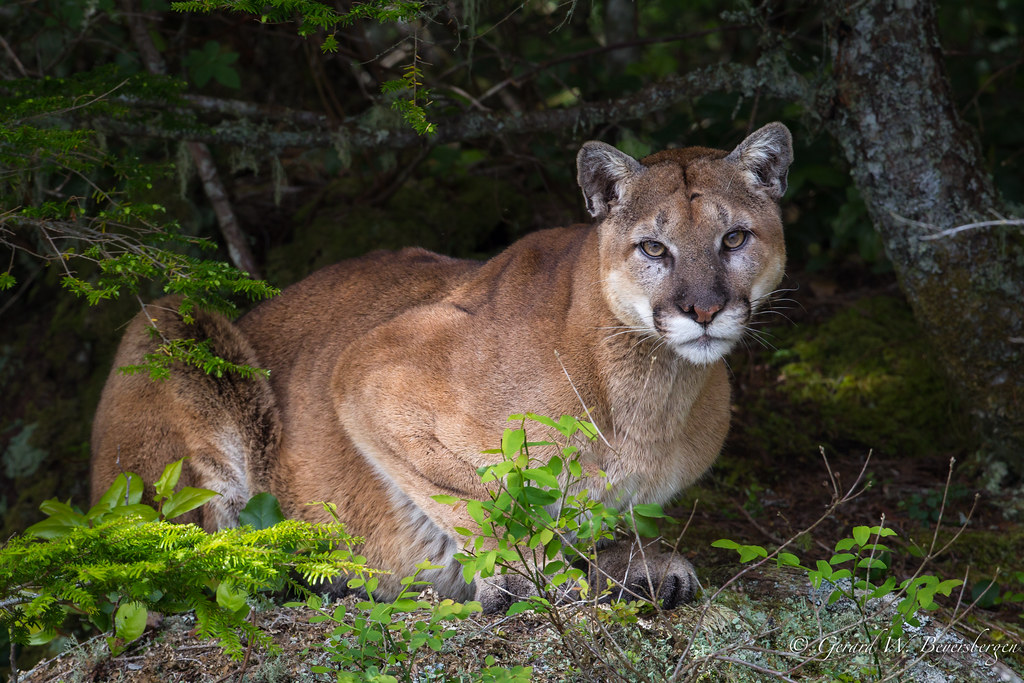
(765, 157)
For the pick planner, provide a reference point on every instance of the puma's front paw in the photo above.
(497, 593)
(667, 578)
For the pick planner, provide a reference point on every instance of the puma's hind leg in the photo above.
(226, 426)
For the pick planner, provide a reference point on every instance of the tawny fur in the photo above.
(391, 373)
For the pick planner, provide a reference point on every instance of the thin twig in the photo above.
(14, 57)
(956, 230)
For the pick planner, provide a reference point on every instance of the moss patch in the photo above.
(862, 379)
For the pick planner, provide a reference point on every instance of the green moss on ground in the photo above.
(862, 379)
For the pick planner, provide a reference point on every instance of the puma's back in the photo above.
(392, 373)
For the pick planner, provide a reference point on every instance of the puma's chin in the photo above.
(703, 350)
(699, 344)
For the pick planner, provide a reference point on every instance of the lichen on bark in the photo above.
(919, 169)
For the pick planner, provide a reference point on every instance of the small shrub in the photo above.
(121, 559)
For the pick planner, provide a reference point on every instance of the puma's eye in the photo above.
(653, 249)
(734, 239)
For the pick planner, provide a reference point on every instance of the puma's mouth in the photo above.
(703, 350)
(701, 344)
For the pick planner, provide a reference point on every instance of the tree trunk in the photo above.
(920, 170)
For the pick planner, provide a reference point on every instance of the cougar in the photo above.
(390, 374)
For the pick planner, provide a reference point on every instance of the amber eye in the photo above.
(734, 239)
(653, 249)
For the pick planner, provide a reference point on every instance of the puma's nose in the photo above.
(702, 315)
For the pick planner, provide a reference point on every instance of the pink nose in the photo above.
(705, 315)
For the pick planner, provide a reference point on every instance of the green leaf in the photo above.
(145, 512)
(542, 476)
(130, 621)
(649, 510)
(788, 560)
(168, 480)
(725, 543)
(844, 544)
(511, 442)
(126, 489)
(446, 500)
(840, 558)
(261, 512)
(861, 534)
(871, 563)
(824, 568)
(230, 597)
(56, 526)
(520, 607)
(188, 498)
(751, 552)
(540, 497)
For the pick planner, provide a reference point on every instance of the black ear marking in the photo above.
(602, 174)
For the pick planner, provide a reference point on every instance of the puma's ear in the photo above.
(765, 157)
(603, 172)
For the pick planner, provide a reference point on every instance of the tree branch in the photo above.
(771, 76)
(238, 249)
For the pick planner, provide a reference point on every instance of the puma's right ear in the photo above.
(603, 172)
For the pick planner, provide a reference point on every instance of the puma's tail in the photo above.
(226, 426)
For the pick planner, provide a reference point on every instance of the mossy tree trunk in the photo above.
(920, 170)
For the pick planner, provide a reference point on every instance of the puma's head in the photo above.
(691, 239)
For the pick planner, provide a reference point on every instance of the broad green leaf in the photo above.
(54, 507)
(188, 498)
(55, 527)
(540, 497)
(145, 512)
(840, 558)
(649, 510)
(861, 534)
(646, 527)
(542, 476)
(446, 500)
(788, 560)
(130, 621)
(844, 544)
(168, 480)
(231, 597)
(725, 543)
(885, 588)
(261, 512)
(520, 607)
(511, 441)
(871, 563)
(125, 490)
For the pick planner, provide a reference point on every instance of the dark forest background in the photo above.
(291, 135)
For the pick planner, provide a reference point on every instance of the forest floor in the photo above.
(767, 489)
